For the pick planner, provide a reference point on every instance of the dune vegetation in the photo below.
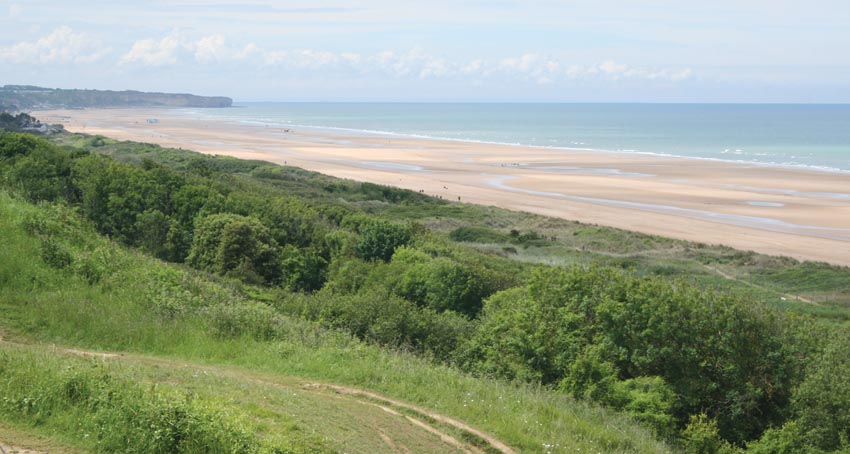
(159, 300)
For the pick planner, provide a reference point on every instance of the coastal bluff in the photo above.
(26, 97)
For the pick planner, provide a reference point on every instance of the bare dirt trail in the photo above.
(8, 449)
(495, 443)
(363, 397)
(416, 418)
(729, 277)
(22, 440)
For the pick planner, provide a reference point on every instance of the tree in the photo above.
(444, 284)
(302, 269)
(239, 246)
(192, 200)
(114, 194)
(15, 144)
(379, 239)
(718, 355)
(43, 174)
(822, 401)
(153, 228)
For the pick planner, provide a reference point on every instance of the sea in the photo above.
(812, 136)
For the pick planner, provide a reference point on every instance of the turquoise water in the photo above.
(806, 135)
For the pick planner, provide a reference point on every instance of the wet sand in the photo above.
(781, 211)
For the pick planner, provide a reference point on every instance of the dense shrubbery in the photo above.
(700, 366)
(379, 239)
(240, 246)
(384, 318)
(473, 234)
(820, 406)
(588, 330)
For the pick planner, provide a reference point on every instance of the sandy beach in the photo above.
(773, 210)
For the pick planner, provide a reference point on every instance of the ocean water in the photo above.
(797, 135)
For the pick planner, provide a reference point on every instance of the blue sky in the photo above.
(568, 50)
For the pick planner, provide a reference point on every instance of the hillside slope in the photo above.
(196, 336)
(514, 324)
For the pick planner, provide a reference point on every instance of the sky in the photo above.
(437, 50)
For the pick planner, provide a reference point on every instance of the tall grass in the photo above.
(139, 304)
(107, 412)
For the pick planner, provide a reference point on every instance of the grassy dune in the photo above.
(171, 335)
(301, 312)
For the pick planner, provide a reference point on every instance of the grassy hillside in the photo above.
(461, 322)
(804, 287)
(180, 336)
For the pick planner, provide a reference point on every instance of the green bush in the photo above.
(718, 355)
(701, 436)
(239, 246)
(821, 404)
(377, 316)
(302, 269)
(44, 174)
(787, 439)
(379, 239)
(442, 285)
(55, 255)
(18, 144)
(244, 318)
(475, 234)
(648, 400)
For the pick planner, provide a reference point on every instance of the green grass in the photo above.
(106, 410)
(112, 299)
(488, 228)
(66, 285)
(20, 436)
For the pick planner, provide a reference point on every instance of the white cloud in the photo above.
(210, 49)
(62, 45)
(304, 59)
(246, 52)
(543, 70)
(153, 53)
(175, 48)
(612, 68)
(473, 67)
(615, 71)
(415, 63)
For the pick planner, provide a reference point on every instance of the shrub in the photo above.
(17, 144)
(244, 318)
(239, 246)
(474, 234)
(719, 356)
(379, 239)
(54, 254)
(821, 404)
(302, 269)
(445, 285)
(701, 437)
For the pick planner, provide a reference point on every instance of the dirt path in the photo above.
(495, 443)
(24, 440)
(8, 449)
(415, 416)
(724, 275)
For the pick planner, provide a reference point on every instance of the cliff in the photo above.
(26, 97)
